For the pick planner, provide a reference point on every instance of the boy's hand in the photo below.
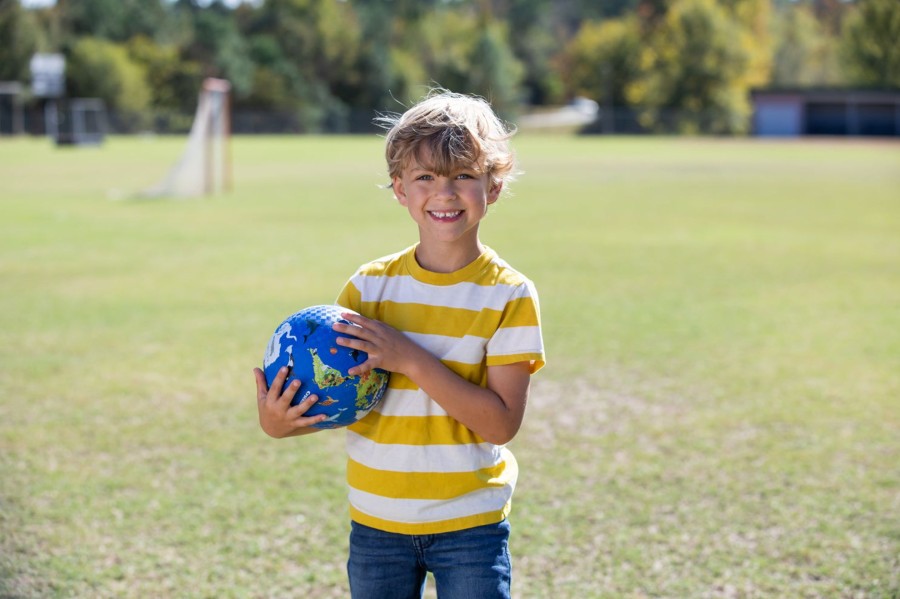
(276, 415)
(388, 348)
(494, 412)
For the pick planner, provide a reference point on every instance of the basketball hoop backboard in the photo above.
(48, 75)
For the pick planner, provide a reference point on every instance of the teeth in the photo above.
(446, 214)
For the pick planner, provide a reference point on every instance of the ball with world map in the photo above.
(307, 345)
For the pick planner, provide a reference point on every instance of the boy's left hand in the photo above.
(388, 348)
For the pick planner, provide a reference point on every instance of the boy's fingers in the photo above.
(354, 318)
(303, 421)
(290, 391)
(262, 390)
(277, 383)
(296, 413)
(355, 331)
(301, 408)
(351, 342)
(361, 368)
(360, 325)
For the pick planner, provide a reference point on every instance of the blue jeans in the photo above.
(466, 564)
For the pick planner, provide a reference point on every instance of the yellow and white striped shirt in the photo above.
(411, 468)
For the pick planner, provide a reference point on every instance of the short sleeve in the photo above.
(518, 337)
(349, 297)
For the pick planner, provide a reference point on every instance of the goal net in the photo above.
(205, 165)
(77, 121)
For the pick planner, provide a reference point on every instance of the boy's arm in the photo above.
(494, 412)
(276, 415)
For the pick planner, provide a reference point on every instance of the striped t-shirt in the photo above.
(411, 468)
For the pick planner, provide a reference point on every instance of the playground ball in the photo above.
(307, 345)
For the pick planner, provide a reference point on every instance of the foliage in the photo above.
(495, 72)
(871, 43)
(694, 72)
(603, 60)
(802, 54)
(330, 64)
(444, 43)
(534, 34)
(115, 20)
(753, 36)
(22, 37)
(313, 46)
(173, 81)
(218, 44)
(103, 69)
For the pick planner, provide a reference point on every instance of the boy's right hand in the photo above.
(276, 415)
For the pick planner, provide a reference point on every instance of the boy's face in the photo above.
(447, 208)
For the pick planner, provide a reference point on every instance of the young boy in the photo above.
(430, 477)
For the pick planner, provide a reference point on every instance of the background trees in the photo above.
(22, 37)
(803, 53)
(871, 43)
(101, 68)
(694, 71)
(684, 65)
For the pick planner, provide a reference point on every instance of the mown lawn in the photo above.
(719, 416)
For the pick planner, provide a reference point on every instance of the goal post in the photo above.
(205, 165)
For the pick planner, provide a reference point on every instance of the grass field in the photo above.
(719, 417)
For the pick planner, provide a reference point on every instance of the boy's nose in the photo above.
(446, 189)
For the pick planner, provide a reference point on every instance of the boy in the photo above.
(429, 475)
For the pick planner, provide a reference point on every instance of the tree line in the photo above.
(671, 65)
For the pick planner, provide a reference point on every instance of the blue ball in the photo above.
(307, 345)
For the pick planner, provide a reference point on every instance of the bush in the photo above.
(101, 69)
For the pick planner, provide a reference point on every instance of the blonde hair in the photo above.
(457, 130)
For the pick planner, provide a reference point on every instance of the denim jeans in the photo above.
(466, 564)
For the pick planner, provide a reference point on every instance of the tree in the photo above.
(22, 37)
(803, 52)
(320, 42)
(273, 76)
(695, 72)
(443, 41)
(116, 20)
(829, 13)
(327, 61)
(753, 18)
(603, 60)
(463, 50)
(174, 83)
(219, 46)
(103, 69)
(374, 65)
(534, 39)
(870, 44)
(97, 18)
(495, 73)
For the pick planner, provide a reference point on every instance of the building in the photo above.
(12, 111)
(857, 112)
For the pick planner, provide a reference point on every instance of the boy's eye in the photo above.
(424, 178)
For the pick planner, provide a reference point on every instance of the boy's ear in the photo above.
(494, 192)
(399, 191)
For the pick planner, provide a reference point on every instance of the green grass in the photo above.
(719, 416)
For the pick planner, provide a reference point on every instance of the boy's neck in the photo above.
(443, 258)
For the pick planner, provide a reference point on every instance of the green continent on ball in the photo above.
(325, 375)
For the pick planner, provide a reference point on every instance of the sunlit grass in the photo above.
(719, 416)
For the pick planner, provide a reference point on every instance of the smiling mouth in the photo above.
(445, 215)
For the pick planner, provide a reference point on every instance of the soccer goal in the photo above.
(205, 165)
(76, 121)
